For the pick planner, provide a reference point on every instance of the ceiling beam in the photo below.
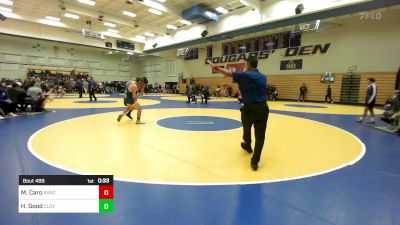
(165, 7)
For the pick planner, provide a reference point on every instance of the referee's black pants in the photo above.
(91, 95)
(255, 114)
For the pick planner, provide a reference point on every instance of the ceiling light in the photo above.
(136, 39)
(112, 31)
(6, 2)
(72, 16)
(110, 34)
(222, 10)
(186, 22)
(154, 11)
(209, 14)
(244, 2)
(149, 34)
(108, 24)
(172, 27)
(130, 53)
(127, 13)
(4, 9)
(140, 37)
(11, 15)
(87, 2)
(52, 18)
(51, 23)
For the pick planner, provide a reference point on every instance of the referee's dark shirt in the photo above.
(252, 86)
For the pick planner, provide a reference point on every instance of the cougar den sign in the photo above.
(289, 52)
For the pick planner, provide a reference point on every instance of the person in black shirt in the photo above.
(303, 90)
(370, 99)
(328, 94)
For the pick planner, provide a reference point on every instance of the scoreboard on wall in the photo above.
(66, 194)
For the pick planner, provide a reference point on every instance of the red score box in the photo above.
(106, 192)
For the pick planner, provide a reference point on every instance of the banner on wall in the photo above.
(296, 64)
(213, 71)
(307, 50)
(237, 67)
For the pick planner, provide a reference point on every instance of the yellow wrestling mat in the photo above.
(80, 103)
(310, 107)
(213, 99)
(153, 153)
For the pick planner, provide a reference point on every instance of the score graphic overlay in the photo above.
(66, 194)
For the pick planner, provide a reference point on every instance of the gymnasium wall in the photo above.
(371, 45)
(66, 34)
(18, 54)
(261, 12)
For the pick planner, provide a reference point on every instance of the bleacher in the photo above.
(288, 85)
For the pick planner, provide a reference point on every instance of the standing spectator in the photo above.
(269, 91)
(188, 92)
(205, 94)
(91, 89)
(303, 90)
(6, 104)
(79, 86)
(274, 91)
(328, 95)
(85, 85)
(370, 99)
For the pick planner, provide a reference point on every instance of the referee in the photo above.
(255, 111)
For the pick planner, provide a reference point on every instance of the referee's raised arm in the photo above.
(219, 69)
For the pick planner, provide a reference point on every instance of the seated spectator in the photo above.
(17, 95)
(274, 93)
(36, 98)
(6, 105)
(392, 107)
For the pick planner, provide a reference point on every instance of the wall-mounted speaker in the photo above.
(299, 8)
(2, 17)
(204, 33)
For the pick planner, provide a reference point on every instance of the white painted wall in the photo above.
(103, 67)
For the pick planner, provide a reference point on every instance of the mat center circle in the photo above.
(199, 123)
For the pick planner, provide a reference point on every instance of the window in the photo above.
(275, 41)
(225, 49)
(295, 40)
(192, 54)
(265, 44)
(209, 52)
(232, 48)
(256, 45)
(284, 40)
(248, 45)
(241, 47)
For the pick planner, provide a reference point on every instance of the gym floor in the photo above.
(185, 165)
